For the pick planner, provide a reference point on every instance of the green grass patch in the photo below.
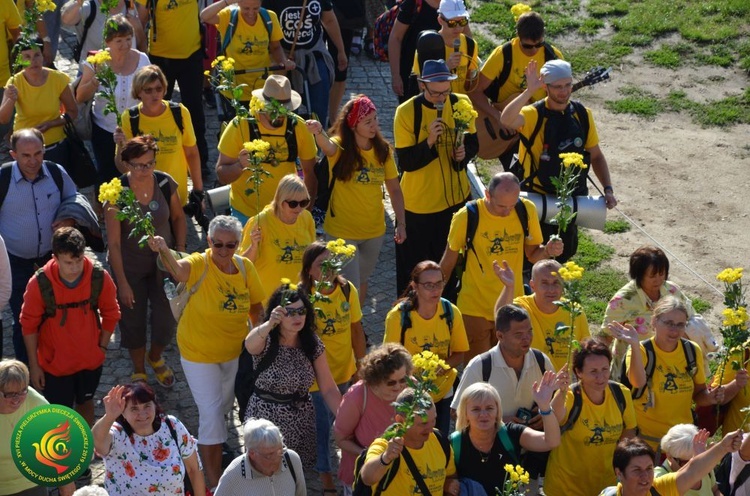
(590, 27)
(643, 105)
(590, 253)
(616, 226)
(605, 8)
(599, 284)
(485, 45)
(665, 56)
(700, 305)
(598, 53)
(720, 55)
(484, 170)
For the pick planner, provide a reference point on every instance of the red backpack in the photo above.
(384, 24)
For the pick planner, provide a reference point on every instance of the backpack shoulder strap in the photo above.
(203, 276)
(346, 288)
(447, 313)
(177, 114)
(456, 439)
(471, 46)
(689, 350)
(541, 111)
(135, 116)
(549, 52)
(575, 410)
(418, 115)
(56, 175)
(405, 307)
(172, 431)
(472, 222)
(486, 366)
(523, 216)
(583, 116)
(291, 467)
(650, 366)
(6, 172)
(502, 435)
(445, 444)
(291, 140)
(48, 294)
(97, 284)
(234, 16)
(540, 360)
(493, 90)
(162, 180)
(614, 387)
(266, 20)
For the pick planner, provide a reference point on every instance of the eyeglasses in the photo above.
(153, 89)
(437, 93)
(393, 382)
(14, 396)
(532, 46)
(674, 325)
(432, 286)
(297, 203)
(291, 312)
(140, 166)
(229, 246)
(456, 23)
(680, 461)
(558, 87)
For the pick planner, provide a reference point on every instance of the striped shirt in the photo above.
(240, 478)
(29, 209)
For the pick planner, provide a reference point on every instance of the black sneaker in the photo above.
(208, 95)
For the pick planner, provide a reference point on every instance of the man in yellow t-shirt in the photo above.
(499, 235)
(175, 46)
(421, 443)
(545, 315)
(291, 143)
(566, 126)
(434, 180)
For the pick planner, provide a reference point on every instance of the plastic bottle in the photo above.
(169, 288)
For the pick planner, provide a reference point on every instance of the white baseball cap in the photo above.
(450, 9)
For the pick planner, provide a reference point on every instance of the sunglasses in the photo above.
(531, 46)
(463, 21)
(154, 89)
(140, 166)
(393, 382)
(13, 396)
(229, 246)
(297, 203)
(291, 312)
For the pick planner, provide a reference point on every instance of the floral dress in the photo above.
(291, 373)
(140, 465)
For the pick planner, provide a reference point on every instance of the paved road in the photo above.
(365, 76)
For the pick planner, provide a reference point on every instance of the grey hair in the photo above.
(678, 441)
(13, 372)
(667, 304)
(91, 490)
(225, 223)
(259, 432)
(478, 392)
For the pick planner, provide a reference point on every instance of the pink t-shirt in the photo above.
(365, 426)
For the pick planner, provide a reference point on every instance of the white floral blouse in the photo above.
(144, 465)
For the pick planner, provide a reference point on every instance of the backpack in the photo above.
(359, 488)
(326, 181)
(48, 295)
(486, 358)
(289, 136)
(6, 173)
(502, 435)
(135, 116)
(575, 410)
(232, 27)
(723, 470)
(384, 25)
(493, 90)
(648, 345)
(86, 26)
(162, 180)
(406, 307)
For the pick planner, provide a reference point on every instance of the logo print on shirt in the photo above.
(290, 252)
(172, 5)
(364, 175)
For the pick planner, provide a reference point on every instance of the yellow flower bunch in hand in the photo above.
(571, 274)
(128, 209)
(107, 81)
(289, 290)
(566, 185)
(258, 151)
(463, 114)
(45, 5)
(100, 57)
(516, 480)
(573, 159)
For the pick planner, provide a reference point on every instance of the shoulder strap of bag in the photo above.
(650, 366)
(291, 467)
(689, 350)
(486, 366)
(56, 175)
(203, 276)
(135, 116)
(405, 308)
(424, 490)
(540, 360)
(614, 387)
(86, 26)
(523, 216)
(47, 292)
(234, 16)
(346, 289)
(6, 172)
(447, 314)
(456, 440)
(575, 409)
(493, 90)
(502, 434)
(177, 115)
(163, 182)
(472, 222)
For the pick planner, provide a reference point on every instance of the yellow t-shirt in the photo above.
(281, 246)
(466, 64)
(593, 438)
(432, 334)
(242, 194)
(516, 82)
(171, 157)
(358, 202)
(733, 417)
(249, 47)
(334, 328)
(37, 104)
(544, 325)
(530, 115)
(666, 485)
(177, 28)
(215, 321)
(430, 461)
(12, 480)
(673, 387)
(497, 238)
(436, 186)
(9, 19)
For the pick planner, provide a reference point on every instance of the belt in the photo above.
(296, 400)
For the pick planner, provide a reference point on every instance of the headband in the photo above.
(362, 107)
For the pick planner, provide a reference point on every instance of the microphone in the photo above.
(439, 106)
(456, 45)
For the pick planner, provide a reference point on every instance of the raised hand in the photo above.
(562, 379)
(114, 402)
(699, 441)
(534, 80)
(504, 273)
(544, 389)
(625, 333)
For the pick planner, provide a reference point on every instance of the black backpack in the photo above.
(135, 115)
(6, 172)
(405, 307)
(361, 489)
(648, 345)
(575, 410)
(493, 90)
(234, 20)
(486, 358)
(51, 306)
(723, 470)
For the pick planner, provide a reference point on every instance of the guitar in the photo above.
(494, 141)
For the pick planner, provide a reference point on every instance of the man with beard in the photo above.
(292, 145)
(550, 127)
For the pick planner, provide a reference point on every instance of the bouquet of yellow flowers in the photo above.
(222, 78)
(114, 194)
(108, 81)
(565, 185)
(516, 480)
(31, 15)
(518, 10)
(463, 114)
(428, 369)
(571, 275)
(258, 152)
(340, 254)
(734, 325)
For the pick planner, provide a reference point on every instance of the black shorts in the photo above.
(346, 37)
(71, 390)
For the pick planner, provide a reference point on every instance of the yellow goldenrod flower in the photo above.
(730, 275)
(518, 10)
(285, 281)
(110, 192)
(572, 159)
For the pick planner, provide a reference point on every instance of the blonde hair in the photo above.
(289, 186)
(13, 372)
(478, 392)
(147, 74)
(667, 304)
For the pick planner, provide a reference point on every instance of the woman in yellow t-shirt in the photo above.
(361, 162)
(37, 94)
(422, 320)
(275, 239)
(674, 386)
(338, 323)
(633, 462)
(210, 333)
(597, 430)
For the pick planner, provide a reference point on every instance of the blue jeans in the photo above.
(323, 422)
(53, 23)
(319, 93)
(21, 270)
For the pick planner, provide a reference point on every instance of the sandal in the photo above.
(164, 374)
(138, 377)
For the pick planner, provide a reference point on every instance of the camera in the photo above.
(524, 415)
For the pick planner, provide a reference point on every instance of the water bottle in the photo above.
(169, 288)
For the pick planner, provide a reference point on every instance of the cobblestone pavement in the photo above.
(365, 76)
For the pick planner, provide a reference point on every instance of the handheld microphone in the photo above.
(439, 106)
(456, 45)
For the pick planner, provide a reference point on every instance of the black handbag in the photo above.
(80, 166)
